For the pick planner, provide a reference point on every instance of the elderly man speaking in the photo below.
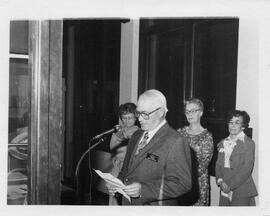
(157, 166)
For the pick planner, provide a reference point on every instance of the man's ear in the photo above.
(163, 113)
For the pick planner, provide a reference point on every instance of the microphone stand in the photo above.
(80, 161)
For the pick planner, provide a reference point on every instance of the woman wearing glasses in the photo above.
(201, 143)
(235, 163)
(119, 140)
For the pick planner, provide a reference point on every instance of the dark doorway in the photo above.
(191, 58)
(91, 72)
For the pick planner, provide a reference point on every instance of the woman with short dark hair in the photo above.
(235, 163)
(119, 140)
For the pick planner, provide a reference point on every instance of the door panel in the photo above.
(35, 112)
(163, 67)
(91, 68)
(46, 136)
(215, 75)
(191, 58)
(215, 60)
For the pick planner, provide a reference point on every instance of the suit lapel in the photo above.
(135, 146)
(239, 147)
(154, 144)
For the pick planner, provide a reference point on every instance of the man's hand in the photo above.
(133, 190)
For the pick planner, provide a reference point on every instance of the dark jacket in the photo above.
(239, 176)
(166, 158)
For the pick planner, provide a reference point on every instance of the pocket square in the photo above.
(152, 157)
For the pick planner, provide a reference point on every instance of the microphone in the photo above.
(114, 129)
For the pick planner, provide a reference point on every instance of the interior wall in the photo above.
(247, 78)
(263, 159)
(129, 61)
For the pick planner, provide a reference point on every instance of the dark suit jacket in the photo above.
(166, 158)
(238, 177)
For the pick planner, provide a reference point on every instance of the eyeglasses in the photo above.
(234, 123)
(127, 118)
(187, 112)
(145, 115)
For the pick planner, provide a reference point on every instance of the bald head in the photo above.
(154, 98)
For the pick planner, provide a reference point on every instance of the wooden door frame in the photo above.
(46, 131)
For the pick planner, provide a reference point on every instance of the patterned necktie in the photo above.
(143, 143)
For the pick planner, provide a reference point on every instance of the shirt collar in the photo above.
(153, 132)
(239, 136)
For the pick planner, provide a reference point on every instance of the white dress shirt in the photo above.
(153, 132)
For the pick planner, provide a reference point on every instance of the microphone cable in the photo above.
(89, 166)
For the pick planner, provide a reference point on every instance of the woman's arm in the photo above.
(115, 141)
(219, 163)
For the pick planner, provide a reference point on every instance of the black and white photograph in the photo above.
(131, 108)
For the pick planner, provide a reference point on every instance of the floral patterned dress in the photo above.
(202, 145)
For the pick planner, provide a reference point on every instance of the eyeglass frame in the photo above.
(122, 117)
(138, 114)
(192, 111)
(235, 123)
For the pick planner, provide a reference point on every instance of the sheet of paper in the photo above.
(113, 182)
